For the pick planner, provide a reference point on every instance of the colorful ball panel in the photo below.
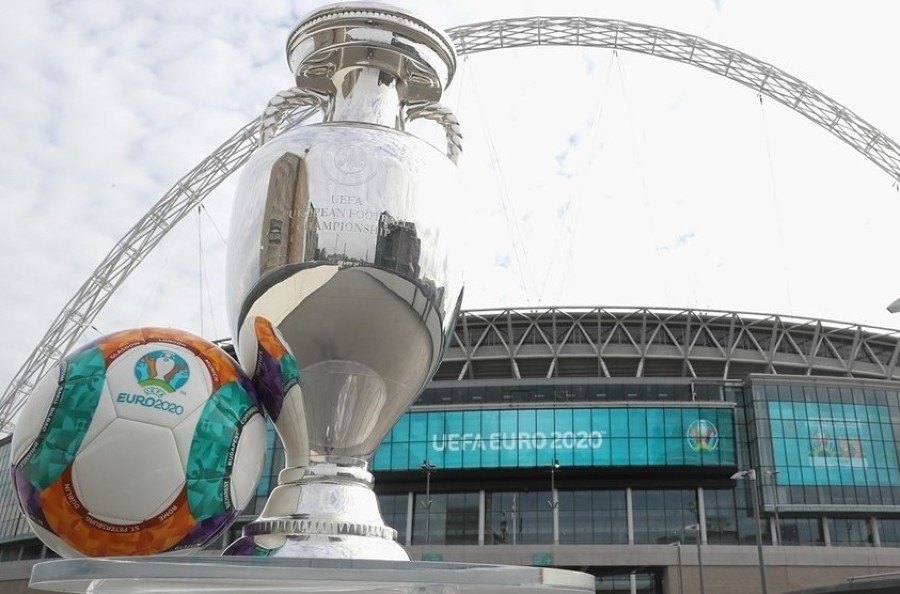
(265, 355)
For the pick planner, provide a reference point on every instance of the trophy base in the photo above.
(162, 575)
(326, 510)
(316, 546)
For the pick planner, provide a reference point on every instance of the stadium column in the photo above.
(629, 510)
(410, 512)
(481, 510)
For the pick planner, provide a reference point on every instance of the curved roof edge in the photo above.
(618, 341)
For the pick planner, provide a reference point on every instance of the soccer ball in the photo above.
(145, 441)
(268, 359)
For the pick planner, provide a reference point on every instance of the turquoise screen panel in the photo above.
(524, 438)
(824, 443)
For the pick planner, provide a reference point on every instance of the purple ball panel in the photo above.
(268, 383)
(208, 530)
(29, 498)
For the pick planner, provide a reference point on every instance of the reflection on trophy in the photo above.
(337, 252)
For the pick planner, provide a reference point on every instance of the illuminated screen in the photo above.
(823, 443)
(511, 438)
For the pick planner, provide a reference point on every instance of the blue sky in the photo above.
(592, 178)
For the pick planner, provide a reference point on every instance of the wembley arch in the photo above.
(189, 191)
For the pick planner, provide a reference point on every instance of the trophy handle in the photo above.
(431, 110)
(284, 102)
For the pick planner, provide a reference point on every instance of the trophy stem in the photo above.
(326, 510)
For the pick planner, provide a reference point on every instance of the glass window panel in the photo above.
(472, 421)
(508, 438)
(400, 455)
(490, 421)
(380, 461)
(673, 424)
(526, 438)
(400, 432)
(562, 419)
(393, 510)
(435, 426)
(544, 428)
(661, 516)
(721, 519)
(637, 422)
(656, 422)
(618, 422)
(585, 444)
(852, 532)
(889, 531)
(801, 531)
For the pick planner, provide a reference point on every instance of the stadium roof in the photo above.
(621, 342)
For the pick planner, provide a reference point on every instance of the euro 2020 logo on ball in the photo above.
(161, 372)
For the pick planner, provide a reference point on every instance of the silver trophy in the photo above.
(339, 250)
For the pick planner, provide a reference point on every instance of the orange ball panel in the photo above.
(118, 343)
(68, 518)
(268, 339)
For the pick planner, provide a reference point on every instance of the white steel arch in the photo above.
(762, 77)
(194, 187)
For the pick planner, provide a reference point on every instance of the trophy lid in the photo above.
(347, 35)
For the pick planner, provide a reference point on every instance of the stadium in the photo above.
(660, 450)
(617, 441)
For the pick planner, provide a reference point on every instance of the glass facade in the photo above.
(518, 518)
(585, 517)
(538, 437)
(770, 427)
(593, 517)
(827, 443)
(650, 466)
(660, 516)
(663, 516)
(827, 446)
(448, 518)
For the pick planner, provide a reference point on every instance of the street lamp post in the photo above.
(428, 467)
(554, 501)
(751, 476)
(774, 475)
(696, 527)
